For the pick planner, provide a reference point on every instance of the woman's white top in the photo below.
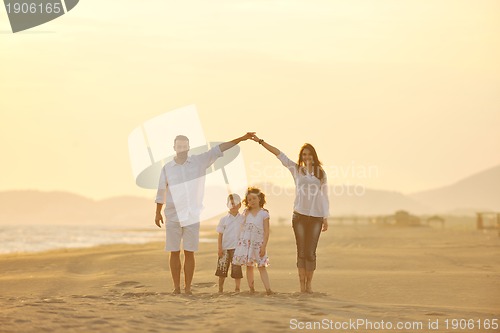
(311, 194)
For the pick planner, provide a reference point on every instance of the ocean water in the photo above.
(37, 238)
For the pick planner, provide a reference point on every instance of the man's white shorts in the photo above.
(189, 234)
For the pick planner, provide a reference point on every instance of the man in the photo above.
(181, 189)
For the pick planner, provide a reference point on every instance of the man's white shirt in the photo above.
(181, 187)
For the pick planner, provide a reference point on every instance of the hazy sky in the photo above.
(408, 88)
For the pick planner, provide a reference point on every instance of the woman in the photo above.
(310, 209)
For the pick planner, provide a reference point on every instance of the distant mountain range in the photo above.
(479, 192)
(34, 207)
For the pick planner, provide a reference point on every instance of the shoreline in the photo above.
(209, 235)
(63, 237)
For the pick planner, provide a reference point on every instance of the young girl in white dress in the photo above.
(254, 236)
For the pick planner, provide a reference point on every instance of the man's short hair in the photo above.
(181, 137)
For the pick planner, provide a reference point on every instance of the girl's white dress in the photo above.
(250, 240)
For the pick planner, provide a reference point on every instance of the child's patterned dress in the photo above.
(250, 240)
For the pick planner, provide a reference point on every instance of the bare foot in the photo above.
(176, 291)
(269, 292)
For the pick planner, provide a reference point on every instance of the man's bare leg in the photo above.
(175, 270)
(189, 264)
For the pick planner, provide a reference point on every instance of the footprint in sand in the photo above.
(435, 314)
(86, 296)
(135, 295)
(205, 285)
(127, 284)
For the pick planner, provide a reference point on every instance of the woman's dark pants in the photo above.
(307, 230)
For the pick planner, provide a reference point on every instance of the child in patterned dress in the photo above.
(254, 236)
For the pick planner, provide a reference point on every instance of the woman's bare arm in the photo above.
(266, 145)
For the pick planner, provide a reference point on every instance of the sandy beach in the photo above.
(365, 273)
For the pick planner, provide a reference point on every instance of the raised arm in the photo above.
(287, 163)
(230, 144)
(266, 145)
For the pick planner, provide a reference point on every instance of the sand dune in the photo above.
(372, 273)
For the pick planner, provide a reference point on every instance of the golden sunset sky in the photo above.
(411, 88)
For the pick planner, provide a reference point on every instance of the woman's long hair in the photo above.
(317, 169)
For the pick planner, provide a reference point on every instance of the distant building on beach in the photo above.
(403, 218)
(435, 219)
